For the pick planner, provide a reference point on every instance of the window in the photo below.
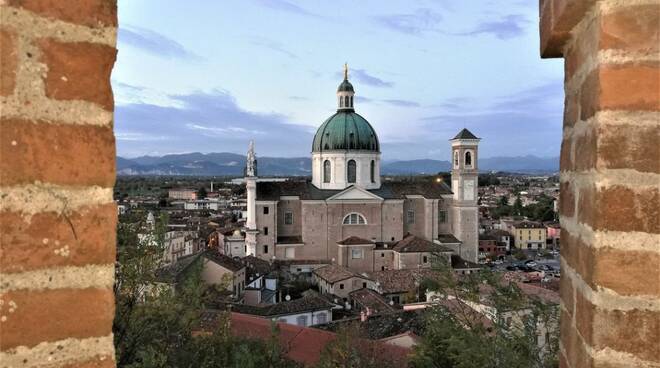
(468, 159)
(354, 219)
(326, 171)
(266, 210)
(265, 230)
(425, 259)
(382, 254)
(265, 249)
(320, 318)
(356, 253)
(442, 216)
(352, 171)
(290, 253)
(341, 102)
(341, 286)
(301, 321)
(346, 101)
(288, 218)
(351, 105)
(455, 158)
(372, 171)
(364, 285)
(411, 217)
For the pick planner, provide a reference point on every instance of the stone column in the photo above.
(610, 179)
(57, 171)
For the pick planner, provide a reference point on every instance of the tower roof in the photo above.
(465, 134)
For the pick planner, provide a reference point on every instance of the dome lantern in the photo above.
(345, 93)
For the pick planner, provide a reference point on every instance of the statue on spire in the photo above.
(251, 164)
(345, 71)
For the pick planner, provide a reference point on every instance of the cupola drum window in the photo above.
(372, 171)
(354, 219)
(468, 158)
(352, 171)
(326, 171)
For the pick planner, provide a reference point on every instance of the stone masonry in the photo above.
(57, 170)
(610, 179)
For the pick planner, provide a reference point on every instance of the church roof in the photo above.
(355, 240)
(413, 244)
(305, 190)
(465, 134)
(345, 130)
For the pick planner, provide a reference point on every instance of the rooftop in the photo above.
(305, 190)
(354, 240)
(333, 273)
(305, 304)
(400, 281)
(413, 244)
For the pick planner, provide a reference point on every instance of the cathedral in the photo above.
(348, 216)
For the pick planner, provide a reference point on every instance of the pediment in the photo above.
(354, 193)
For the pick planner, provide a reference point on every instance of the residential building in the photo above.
(529, 235)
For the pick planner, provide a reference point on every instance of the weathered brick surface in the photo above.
(620, 208)
(37, 151)
(621, 87)
(576, 353)
(630, 146)
(567, 199)
(91, 13)
(98, 362)
(86, 236)
(78, 71)
(632, 28)
(8, 61)
(636, 332)
(566, 293)
(52, 315)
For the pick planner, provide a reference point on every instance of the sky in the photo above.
(209, 76)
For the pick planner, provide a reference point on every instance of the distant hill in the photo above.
(231, 164)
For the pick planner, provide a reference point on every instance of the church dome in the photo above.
(346, 130)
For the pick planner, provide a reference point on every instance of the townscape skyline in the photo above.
(268, 69)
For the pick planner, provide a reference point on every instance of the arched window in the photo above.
(354, 219)
(341, 102)
(468, 158)
(455, 158)
(346, 101)
(352, 171)
(326, 171)
(351, 105)
(372, 171)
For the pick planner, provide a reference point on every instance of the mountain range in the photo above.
(231, 164)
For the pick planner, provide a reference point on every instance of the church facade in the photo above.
(347, 215)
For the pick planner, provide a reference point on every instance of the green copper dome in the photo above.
(345, 86)
(345, 130)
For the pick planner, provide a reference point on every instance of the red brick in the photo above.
(576, 352)
(621, 87)
(52, 315)
(557, 18)
(79, 71)
(566, 200)
(627, 272)
(620, 208)
(631, 28)
(571, 110)
(56, 153)
(88, 234)
(8, 62)
(91, 13)
(566, 293)
(585, 150)
(565, 156)
(577, 254)
(629, 147)
(635, 331)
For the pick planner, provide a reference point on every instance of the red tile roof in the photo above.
(304, 344)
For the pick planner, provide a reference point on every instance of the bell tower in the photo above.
(464, 183)
(251, 189)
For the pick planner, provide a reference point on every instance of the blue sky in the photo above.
(208, 76)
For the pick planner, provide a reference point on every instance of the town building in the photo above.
(184, 194)
(529, 235)
(346, 199)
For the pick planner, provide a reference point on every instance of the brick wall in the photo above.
(57, 169)
(610, 179)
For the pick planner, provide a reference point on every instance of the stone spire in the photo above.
(251, 162)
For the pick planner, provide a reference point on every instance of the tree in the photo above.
(349, 350)
(457, 336)
(201, 192)
(517, 206)
(504, 200)
(154, 324)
